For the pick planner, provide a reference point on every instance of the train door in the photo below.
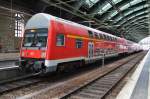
(90, 49)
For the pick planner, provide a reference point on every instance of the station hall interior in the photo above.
(124, 18)
(39, 37)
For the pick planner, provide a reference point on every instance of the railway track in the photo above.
(18, 82)
(7, 63)
(61, 90)
(100, 87)
(96, 83)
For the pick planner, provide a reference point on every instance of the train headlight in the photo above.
(43, 55)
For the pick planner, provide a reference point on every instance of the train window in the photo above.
(79, 43)
(110, 38)
(35, 38)
(113, 39)
(60, 40)
(100, 36)
(90, 34)
(104, 37)
(96, 35)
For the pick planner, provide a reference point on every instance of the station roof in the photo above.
(125, 18)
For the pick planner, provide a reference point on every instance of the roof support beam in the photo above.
(96, 8)
(77, 13)
(137, 21)
(137, 28)
(142, 11)
(77, 5)
(134, 17)
(131, 8)
(109, 12)
(134, 20)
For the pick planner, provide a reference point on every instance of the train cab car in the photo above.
(50, 42)
(34, 43)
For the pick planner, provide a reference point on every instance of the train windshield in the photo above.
(35, 38)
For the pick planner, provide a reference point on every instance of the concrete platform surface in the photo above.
(138, 86)
(9, 56)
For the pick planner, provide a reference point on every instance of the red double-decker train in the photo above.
(51, 43)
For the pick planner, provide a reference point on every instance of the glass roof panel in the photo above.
(113, 14)
(135, 2)
(125, 6)
(146, 5)
(136, 9)
(106, 7)
(116, 1)
(123, 22)
(91, 2)
(146, 11)
(118, 18)
(137, 14)
(100, 12)
(128, 13)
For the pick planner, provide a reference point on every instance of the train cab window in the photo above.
(35, 38)
(60, 40)
(79, 43)
(90, 34)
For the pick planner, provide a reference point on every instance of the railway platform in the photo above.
(9, 56)
(8, 68)
(138, 86)
(7, 60)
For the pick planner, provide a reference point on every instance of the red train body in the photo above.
(50, 41)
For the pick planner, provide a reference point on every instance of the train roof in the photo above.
(44, 20)
(83, 26)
